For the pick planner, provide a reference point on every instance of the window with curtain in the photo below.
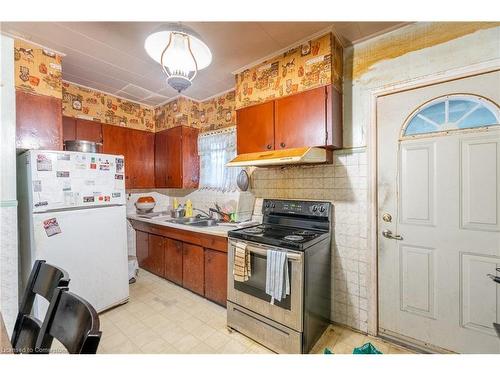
(216, 149)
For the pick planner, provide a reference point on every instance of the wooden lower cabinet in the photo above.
(196, 261)
(156, 255)
(193, 268)
(216, 276)
(142, 248)
(173, 260)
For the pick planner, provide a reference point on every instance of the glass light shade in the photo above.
(156, 42)
(177, 57)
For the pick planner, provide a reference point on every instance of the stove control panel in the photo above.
(305, 208)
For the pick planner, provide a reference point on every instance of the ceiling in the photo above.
(110, 56)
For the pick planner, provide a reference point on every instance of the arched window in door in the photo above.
(452, 112)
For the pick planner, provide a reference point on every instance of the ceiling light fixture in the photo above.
(180, 51)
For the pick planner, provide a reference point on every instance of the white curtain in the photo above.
(216, 149)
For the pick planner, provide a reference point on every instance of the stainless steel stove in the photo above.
(294, 324)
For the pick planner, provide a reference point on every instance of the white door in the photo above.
(441, 188)
(91, 245)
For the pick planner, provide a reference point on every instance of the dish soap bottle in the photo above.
(189, 208)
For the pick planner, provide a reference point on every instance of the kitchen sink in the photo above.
(201, 222)
(186, 220)
(204, 223)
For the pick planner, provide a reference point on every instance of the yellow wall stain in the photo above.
(421, 36)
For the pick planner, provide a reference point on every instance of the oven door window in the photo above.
(256, 283)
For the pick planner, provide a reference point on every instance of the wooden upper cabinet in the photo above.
(190, 158)
(114, 140)
(177, 164)
(300, 120)
(38, 122)
(172, 158)
(255, 128)
(69, 128)
(138, 149)
(216, 276)
(140, 155)
(160, 159)
(311, 118)
(84, 130)
(334, 117)
(87, 130)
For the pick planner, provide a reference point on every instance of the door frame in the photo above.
(372, 147)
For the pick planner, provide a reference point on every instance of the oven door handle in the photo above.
(256, 250)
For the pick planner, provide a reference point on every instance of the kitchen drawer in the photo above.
(214, 242)
(273, 335)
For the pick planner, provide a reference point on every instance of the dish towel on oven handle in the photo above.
(277, 280)
(242, 269)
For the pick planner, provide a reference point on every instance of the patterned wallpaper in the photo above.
(307, 66)
(301, 68)
(215, 113)
(218, 112)
(37, 70)
(94, 105)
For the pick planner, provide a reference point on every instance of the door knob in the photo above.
(388, 234)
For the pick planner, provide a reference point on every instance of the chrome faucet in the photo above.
(208, 215)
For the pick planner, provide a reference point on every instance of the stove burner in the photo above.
(304, 233)
(293, 237)
(254, 230)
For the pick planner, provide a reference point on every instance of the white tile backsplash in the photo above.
(344, 183)
(241, 202)
(162, 201)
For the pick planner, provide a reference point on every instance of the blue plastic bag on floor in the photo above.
(367, 348)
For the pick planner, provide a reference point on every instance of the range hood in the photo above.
(303, 155)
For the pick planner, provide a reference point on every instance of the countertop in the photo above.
(219, 230)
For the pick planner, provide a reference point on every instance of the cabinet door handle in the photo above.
(269, 147)
(282, 144)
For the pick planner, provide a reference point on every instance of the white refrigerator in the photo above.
(72, 214)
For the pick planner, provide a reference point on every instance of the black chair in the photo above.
(72, 321)
(43, 280)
